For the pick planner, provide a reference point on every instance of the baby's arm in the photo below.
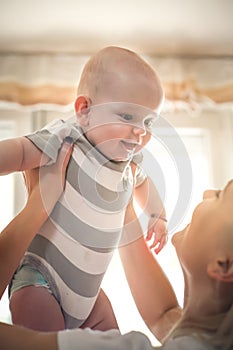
(18, 154)
(152, 292)
(149, 200)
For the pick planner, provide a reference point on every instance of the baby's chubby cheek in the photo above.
(146, 138)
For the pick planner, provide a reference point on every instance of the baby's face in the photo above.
(123, 112)
(119, 129)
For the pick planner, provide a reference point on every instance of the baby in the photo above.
(57, 284)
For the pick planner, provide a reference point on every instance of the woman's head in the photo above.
(205, 246)
(205, 251)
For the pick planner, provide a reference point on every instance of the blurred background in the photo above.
(43, 47)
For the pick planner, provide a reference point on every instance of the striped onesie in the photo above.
(74, 247)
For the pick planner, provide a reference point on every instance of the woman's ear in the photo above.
(221, 269)
(82, 105)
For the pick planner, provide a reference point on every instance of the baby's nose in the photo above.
(139, 130)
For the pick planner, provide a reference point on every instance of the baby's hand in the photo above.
(157, 232)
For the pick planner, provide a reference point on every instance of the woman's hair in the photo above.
(216, 330)
(224, 334)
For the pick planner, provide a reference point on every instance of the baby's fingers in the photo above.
(159, 241)
(149, 234)
(156, 241)
(162, 243)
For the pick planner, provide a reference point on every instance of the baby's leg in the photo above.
(102, 315)
(36, 308)
(32, 304)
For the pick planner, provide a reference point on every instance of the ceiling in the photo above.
(158, 27)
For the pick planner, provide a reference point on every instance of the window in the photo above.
(11, 186)
(197, 143)
(6, 182)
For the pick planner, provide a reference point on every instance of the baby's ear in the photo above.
(82, 105)
(221, 269)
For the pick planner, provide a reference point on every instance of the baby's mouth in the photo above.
(130, 146)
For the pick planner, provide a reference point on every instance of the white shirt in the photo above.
(88, 339)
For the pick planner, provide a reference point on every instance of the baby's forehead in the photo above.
(131, 109)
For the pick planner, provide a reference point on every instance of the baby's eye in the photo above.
(126, 116)
(149, 123)
(217, 193)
